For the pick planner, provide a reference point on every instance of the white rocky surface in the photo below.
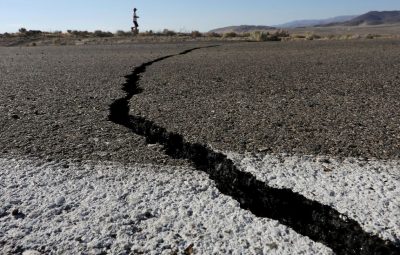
(93, 208)
(366, 191)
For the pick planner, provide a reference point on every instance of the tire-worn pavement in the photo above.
(327, 97)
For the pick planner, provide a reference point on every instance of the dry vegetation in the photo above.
(26, 37)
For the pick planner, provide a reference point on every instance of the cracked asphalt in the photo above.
(337, 98)
(54, 102)
(333, 98)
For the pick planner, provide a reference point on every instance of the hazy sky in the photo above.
(179, 15)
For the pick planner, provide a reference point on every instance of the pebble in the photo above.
(60, 201)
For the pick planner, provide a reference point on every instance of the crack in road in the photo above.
(319, 222)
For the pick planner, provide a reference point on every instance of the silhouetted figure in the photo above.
(135, 29)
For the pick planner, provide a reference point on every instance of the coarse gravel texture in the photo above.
(93, 208)
(54, 102)
(366, 191)
(323, 98)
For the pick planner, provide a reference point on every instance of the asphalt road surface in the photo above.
(268, 127)
(329, 98)
(55, 100)
(320, 98)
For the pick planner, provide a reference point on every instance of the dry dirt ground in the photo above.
(327, 97)
(383, 30)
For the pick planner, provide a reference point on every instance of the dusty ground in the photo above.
(68, 40)
(383, 30)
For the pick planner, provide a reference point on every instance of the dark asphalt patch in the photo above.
(319, 222)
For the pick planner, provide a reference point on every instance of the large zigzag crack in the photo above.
(319, 222)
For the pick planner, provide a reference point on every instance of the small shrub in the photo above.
(168, 32)
(33, 32)
(345, 37)
(147, 33)
(122, 33)
(274, 38)
(282, 33)
(196, 34)
(331, 37)
(372, 36)
(213, 34)
(79, 33)
(259, 36)
(230, 35)
(312, 36)
(22, 30)
(299, 36)
(99, 33)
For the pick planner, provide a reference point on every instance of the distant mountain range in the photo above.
(371, 18)
(241, 29)
(315, 22)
